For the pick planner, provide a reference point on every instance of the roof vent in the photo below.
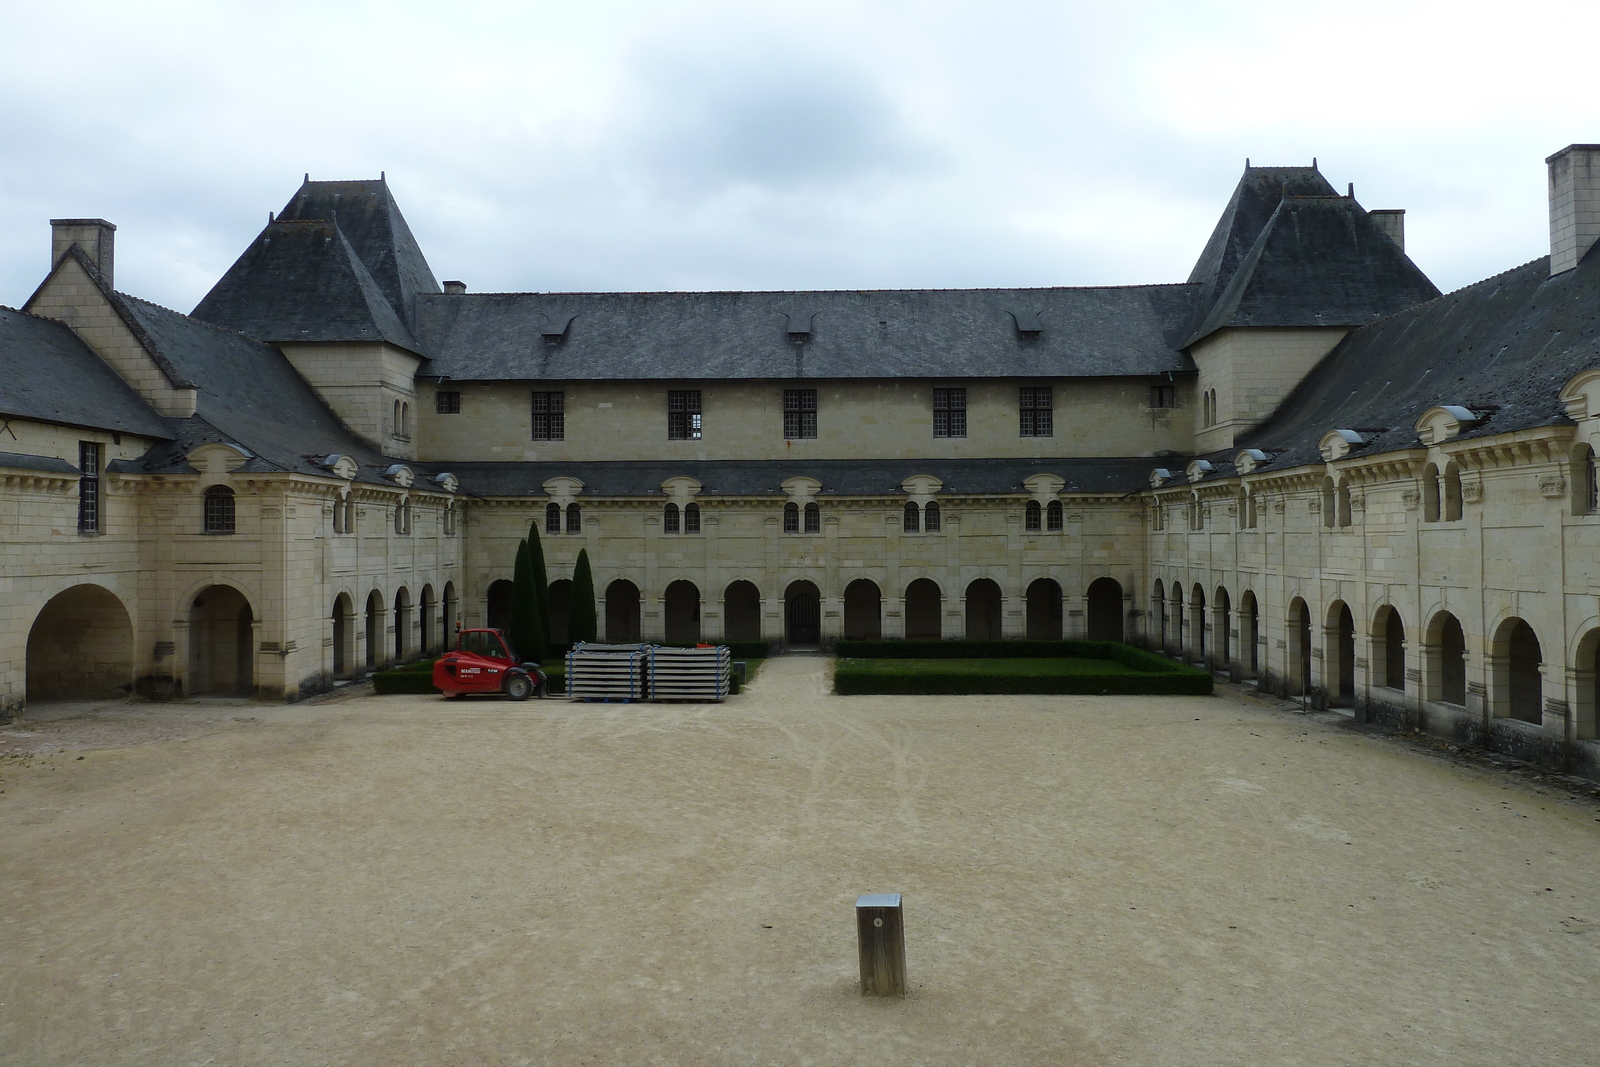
(1336, 444)
(799, 325)
(554, 329)
(1249, 459)
(1444, 422)
(1159, 476)
(1198, 469)
(1028, 323)
(455, 288)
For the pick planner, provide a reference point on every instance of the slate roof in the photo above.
(47, 374)
(1504, 346)
(23, 461)
(874, 477)
(303, 281)
(954, 333)
(1289, 251)
(248, 394)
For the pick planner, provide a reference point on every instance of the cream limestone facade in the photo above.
(1278, 507)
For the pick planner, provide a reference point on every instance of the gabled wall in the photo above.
(362, 383)
(1252, 371)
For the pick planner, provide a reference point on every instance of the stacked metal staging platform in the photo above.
(628, 673)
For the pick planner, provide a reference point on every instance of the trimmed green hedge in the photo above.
(1099, 667)
(995, 650)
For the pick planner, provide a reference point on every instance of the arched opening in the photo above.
(574, 519)
(1389, 648)
(1330, 505)
(1104, 611)
(683, 613)
(1224, 613)
(552, 518)
(983, 611)
(1052, 516)
(374, 628)
(930, 518)
(691, 518)
(1341, 655)
(497, 610)
(813, 518)
(1585, 479)
(1344, 502)
(221, 642)
(427, 610)
(670, 519)
(1514, 664)
(1033, 516)
(560, 603)
(80, 645)
(622, 613)
(1044, 610)
(450, 613)
(1447, 660)
(1249, 635)
(1299, 647)
(1588, 677)
(741, 612)
(913, 518)
(863, 611)
(1180, 639)
(1197, 616)
(402, 624)
(1430, 493)
(791, 518)
(344, 635)
(1158, 614)
(802, 612)
(1452, 492)
(924, 608)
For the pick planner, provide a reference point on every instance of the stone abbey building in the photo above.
(1303, 465)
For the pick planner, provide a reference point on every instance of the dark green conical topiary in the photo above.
(541, 589)
(525, 631)
(582, 620)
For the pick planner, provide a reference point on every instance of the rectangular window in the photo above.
(447, 403)
(549, 418)
(683, 414)
(1163, 396)
(89, 488)
(1034, 411)
(799, 414)
(949, 413)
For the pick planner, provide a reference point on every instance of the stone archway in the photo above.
(1299, 647)
(1518, 687)
(682, 606)
(1044, 610)
(741, 612)
(80, 645)
(497, 609)
(622, 613)
(924, 608)
(983, 610)
(221, 642)
(802, 615)
(1339, 651)
(863, 611)
(560, 604)
(1105, 610)
(344, 635)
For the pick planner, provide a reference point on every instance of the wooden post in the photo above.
(881, 932)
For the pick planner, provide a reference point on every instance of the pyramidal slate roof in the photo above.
(954, 333)
(1502, 347)
(339, 264)
(1290, 251)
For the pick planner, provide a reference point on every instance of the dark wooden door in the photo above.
(805, 620)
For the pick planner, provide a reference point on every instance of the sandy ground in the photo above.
(405, 880)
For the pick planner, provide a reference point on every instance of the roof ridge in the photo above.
(191, 319)
(815, 292)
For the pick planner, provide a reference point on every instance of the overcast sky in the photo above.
(711, 145)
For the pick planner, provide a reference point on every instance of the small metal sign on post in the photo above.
(881, 931)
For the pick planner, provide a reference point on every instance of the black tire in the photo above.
(519, 687)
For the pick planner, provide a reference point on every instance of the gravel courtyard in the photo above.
(406, 880)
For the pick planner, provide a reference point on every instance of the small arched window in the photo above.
(1052, 515)
(349, 513)
(669, 519)
(338, 515)
(1032, 516)
(691, 518)
(395, 421)
(1344, 502)
(574, 519)
(405, 420)
(1197, 516)
(913, 518)
(930, 517)
(450, 520)
(791, 517)
(219, 510)
(813, 518)
(1452, 492)
(1330, 502)
(1585, 482)
(552, 518)
(1430, 493)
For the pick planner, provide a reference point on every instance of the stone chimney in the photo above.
(1574, 204)
(1391, 221)
(455, 288)
(95, 236)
